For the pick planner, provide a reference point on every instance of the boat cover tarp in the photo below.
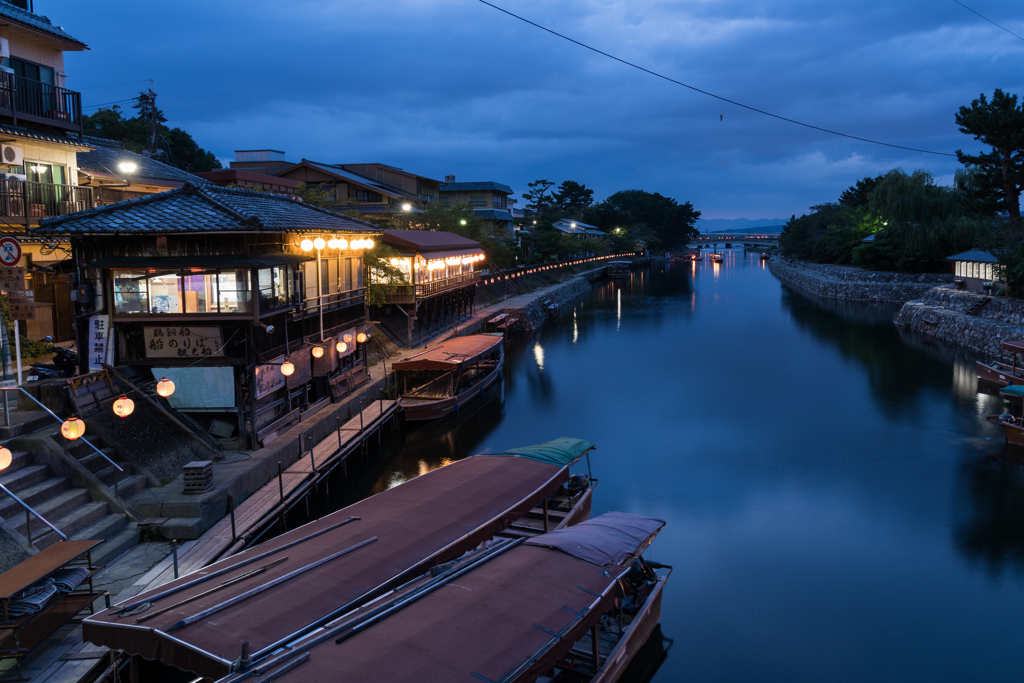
(612, 538)
(452, 353)
(494, 623)
(562, 451)
(428, 520)
(1013, 390)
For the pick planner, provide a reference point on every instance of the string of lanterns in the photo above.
(335, 243)
(317, 351)
(435, 264)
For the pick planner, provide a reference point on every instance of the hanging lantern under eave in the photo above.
(318, 352)
(165, 387)
(124, 406)
(306, 245)
(287, 368)
(361, 337)
(319, 243)
(347, 338)
(72, 428)
(6, 458)
(342, 347)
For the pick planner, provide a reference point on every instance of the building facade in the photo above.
(489, 200)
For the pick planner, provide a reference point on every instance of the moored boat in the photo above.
(618, 270)
(717, 258)
(765, 256)
(1001, 373)
(1013, 429)
(441, 380)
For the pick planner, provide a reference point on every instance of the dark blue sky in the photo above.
(453, 86)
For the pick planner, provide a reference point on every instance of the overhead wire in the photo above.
(711, 94)
(988, 20)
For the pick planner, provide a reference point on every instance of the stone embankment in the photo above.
(976, 322)
(853, 284)
(559, 296)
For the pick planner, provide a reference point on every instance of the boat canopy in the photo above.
(325, 568)
(451, 354)
(562, 451)
(1015, 390)
(612, 538)
(509, 618)
(1014, 346)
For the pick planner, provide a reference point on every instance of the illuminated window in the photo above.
(181, 291)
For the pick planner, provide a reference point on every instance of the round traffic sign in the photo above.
(10, 252)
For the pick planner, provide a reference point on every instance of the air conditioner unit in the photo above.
(10, 155)
(5, 48)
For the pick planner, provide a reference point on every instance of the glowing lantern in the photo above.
(347, 338)
(165, 387)
(342, 243)
(356, 244)
(394, 262)
(306, 245)
(319, 243)
(332, 244)
(72, 428)
(318, 352)
(6, 458)
(287, 368)
(368, 243)
(361, 338)
(342, 347)
(124, 406)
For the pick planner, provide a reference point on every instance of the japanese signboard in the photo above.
(269, 378)
(183, 341)
(22, 304)
(98, 344)
(12, 279)
(10, 251)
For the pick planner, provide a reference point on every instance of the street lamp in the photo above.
(406, 207)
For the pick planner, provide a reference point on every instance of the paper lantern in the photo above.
(332, 244)
(361, 338)
(6, 458)
(165, 387)
(124, 406)
(342, 347)
(318, 352)
(342, 243)
(307, 245)
(287, 368)
(72, 428)
(319, 243)
(368, 244)
(347, 338)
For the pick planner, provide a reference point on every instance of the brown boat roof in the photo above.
(427, 520)
(1015, 346)
(450, 354)
(508, 619)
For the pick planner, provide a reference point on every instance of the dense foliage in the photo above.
(172, 145)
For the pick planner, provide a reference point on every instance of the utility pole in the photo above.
(152, 122)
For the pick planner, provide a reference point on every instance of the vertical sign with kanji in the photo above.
(100, 349)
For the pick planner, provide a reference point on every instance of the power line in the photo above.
(711, 94)
(988, 20)
(103, 104)
(114, 85)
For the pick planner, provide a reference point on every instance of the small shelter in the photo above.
(977, 271)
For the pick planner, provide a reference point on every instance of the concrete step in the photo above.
(24, 477)
(127, 484)
(96, 462)
(33, 495)
(72, 523)
(19, 459)
(53, 509)
(123, 539)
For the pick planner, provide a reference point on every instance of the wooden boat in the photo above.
(1004, 374)
(619, 270)
(1013, 429)
(765, 256)
(440, 380)
(573, 604)
(291, 586)
(717, 258)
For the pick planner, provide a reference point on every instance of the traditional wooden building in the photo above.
(223, 291)
(977, 271)
(115, 174)
(489, 200)
(440, 272)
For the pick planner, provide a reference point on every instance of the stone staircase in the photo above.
(73, 509)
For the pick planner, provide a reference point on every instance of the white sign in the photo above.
(269, 378)
(183, 341)
(98, 344)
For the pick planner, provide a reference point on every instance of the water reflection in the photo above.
(990, 531)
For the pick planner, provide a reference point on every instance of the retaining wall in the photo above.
(958, 317)
(854, 284)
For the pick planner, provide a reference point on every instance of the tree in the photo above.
(998, 123)
(540, 201)
(174, 146)
(671, 222)
(857, 194)
(573, 197)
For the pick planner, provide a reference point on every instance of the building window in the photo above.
(444, 199)
(478, 201)
(499, 201)
(275, 287)
(31, 70)
(181, 291)
(361, 195)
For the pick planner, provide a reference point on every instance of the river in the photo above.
(837, 507)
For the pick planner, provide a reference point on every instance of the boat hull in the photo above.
(1014, 432)
(639, 631)
(421, 409)
(1000, 374)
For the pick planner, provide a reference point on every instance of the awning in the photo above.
(391, 538)
(451, 354)
(431, 255)
(1014, 390)
(563, 451)
(221, 261)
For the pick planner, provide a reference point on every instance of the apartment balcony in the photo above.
(27, 202)
(407, 294)
(26, 100)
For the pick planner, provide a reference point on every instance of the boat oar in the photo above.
(254, 572)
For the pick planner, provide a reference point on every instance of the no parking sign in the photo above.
(10, 252)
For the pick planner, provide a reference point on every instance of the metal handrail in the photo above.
(39, 516)
(54, 415)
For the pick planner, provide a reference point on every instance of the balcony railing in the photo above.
(23, 98)
(407, 294)
(41, 200)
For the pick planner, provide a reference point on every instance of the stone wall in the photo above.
(559, 296)
(972, 321)
(853, 284)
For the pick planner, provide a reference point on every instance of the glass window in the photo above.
(478, 201)
(499, 201)
(130, 292)
(274, 287)
(164, 290)
(184, 291)
(233, 291)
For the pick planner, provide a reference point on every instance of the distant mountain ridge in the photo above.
(738, 224)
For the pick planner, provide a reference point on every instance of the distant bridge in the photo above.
(754, 238)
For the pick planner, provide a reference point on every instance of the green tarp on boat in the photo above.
(563, 451)
(1016, 390)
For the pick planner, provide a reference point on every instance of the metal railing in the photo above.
(41, 200)
(41, 102)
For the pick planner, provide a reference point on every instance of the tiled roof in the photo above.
(356, 178)
(36, 135)
(375, 209)
(37, 22)
(204, 208)
(493, 214)
(470, 187)
(428, 240)
(109, 153)
(975, 255)
(579, 224)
